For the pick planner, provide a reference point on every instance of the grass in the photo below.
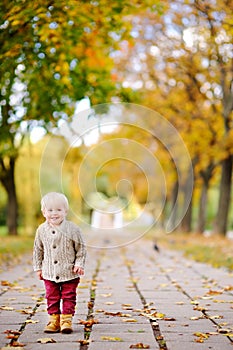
(213, 250)
(13, 247)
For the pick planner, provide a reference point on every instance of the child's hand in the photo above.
(39, 274)
(78, 270)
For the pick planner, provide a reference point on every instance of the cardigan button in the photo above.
(53, 232)
(54, 247)
(55, 262)
(57, 277)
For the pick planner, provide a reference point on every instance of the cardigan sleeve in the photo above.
(80, 250)
(38, 252)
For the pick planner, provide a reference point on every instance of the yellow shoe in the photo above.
(66, 324)
(54, 324)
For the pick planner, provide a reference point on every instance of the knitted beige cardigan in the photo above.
(57, 250)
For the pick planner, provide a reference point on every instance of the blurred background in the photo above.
(59, 58)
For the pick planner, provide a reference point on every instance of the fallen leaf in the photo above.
(139, 346)
(17, 344)
(88, 323)
(148, 304)
(120, 314)
(10, 331)
(206, 298)
(201, 337)
(111, 338)
(130, 320)
(84, 341)
(7, 308)
(215, 317)
(214, 292)
(15, 348)
(199, 340)
(90, 304)
(153, 316)
(6, 283)
(26, 312)
(200, 308)
(46, 340)
(224, 331)
(31, 321)
(228, 288)
(169, 319)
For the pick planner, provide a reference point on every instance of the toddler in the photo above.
(58, 258)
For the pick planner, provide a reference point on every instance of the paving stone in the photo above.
(136, 275)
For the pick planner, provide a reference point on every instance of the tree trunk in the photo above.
(202, 208)
(220, 225)
(186, 223)
(174, 206)
(8, 182)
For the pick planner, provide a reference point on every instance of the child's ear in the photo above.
(43, 212)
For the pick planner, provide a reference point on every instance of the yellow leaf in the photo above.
(130, 320)
(139, 346)
(7, 308)
(228, 288)
(111, 338)
(31, 321)
(106, 295)
(46, 340)
(201, 335)
(84, 341)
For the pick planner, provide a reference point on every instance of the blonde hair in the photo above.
(54, 198)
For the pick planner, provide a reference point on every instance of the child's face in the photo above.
(54, 213)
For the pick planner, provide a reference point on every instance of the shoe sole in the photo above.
(66, 331)
(47, 331)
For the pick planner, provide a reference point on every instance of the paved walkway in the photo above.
(130, 297)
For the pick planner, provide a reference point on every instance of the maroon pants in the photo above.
(65, 291)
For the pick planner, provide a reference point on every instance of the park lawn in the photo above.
(215, 250)
(13, 247)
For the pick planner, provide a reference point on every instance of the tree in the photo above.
(52, 54)
(183, 64)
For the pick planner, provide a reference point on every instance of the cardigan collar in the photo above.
(60, 227)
